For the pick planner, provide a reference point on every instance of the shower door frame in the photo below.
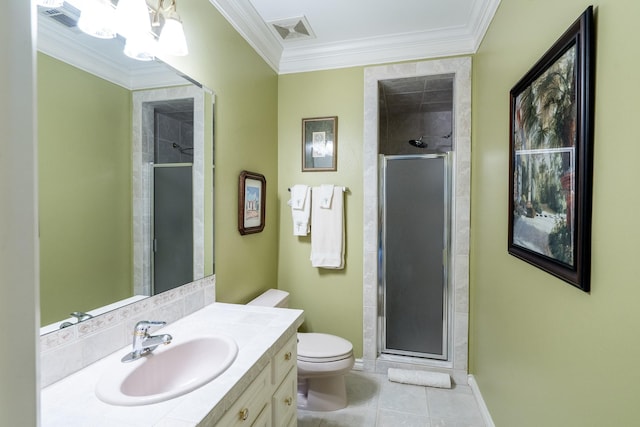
(382, 286)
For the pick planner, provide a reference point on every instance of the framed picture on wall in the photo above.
(251, 202)
(550, 171)
(320, 144)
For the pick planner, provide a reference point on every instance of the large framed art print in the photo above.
(551, 159)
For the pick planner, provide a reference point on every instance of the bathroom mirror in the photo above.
(117, 137)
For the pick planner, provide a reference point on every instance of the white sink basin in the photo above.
(170, 371)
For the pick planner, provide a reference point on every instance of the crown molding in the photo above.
(245, 19)
(377, 50)
(481, 19)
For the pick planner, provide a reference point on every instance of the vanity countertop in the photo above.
(258, 331)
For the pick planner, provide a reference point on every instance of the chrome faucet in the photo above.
(143, 343)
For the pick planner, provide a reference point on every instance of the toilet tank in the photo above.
(272, 298)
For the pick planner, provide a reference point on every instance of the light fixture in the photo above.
(98, 19)
(148, 26)
(50, 3)
(172, 40)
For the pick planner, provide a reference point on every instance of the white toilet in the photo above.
(323, 361)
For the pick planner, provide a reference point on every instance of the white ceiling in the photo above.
(358, 32)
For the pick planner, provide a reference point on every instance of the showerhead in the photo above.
(182, 149)
(423, 144)
(418, 142)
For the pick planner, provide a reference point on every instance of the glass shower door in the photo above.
(414, 249)
(172, 226)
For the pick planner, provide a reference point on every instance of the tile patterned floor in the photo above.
(374, 401)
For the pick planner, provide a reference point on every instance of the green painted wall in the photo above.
(332, 299)
(84, 158)
(543, 352)
(246, 120)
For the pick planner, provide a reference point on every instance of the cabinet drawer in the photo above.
(293, 422)
(264, 419)
(284, 400)
(284, 360)
(245, 410)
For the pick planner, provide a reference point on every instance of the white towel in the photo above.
(300, 203)
(327, 231)
(423, 378)
(324, 196)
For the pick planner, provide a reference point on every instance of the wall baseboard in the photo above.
(358, 365)
(486, 416)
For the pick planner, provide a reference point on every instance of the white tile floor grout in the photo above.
(374, 401)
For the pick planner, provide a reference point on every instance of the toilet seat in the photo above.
(323, 348)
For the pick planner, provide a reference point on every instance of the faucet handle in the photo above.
(80, 316)
(143, 326)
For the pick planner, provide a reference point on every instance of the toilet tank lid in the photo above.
(271, 298)
(317, 345)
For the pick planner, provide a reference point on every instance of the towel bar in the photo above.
(344, 189)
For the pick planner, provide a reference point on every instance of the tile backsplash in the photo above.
(68, 350)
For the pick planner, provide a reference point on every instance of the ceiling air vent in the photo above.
(293, 29)
(66, 15)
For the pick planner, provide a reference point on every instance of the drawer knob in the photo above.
(244, 414)
(287, 355)
(289, 401)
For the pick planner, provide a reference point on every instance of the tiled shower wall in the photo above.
(169, 131)
(397, 129)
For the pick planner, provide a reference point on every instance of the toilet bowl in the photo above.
(323, 360)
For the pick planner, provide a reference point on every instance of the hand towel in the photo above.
(300, 203)
(327, 230)
(325, 195)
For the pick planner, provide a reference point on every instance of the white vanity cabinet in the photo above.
(270, 400)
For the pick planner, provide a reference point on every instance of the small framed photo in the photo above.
(251, 200)
(320, 144)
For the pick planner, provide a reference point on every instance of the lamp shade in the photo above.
(140, 47)
(97, 19)
(132, 18)
(172, 40)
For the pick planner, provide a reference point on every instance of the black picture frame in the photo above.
(252, 189)
(551, 158)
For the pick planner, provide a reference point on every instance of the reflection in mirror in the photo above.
(116, 137)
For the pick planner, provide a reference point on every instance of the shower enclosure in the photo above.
(407, 107)
(172, 192)
(414, 248)
(415, 146)
(168, 188)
